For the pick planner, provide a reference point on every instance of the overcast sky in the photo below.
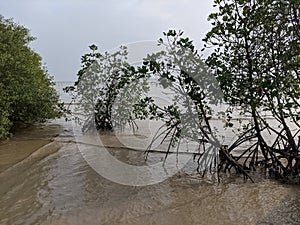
(65, 28)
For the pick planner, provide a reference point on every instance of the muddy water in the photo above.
(63, 189)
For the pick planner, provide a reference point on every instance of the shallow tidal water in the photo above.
(63, 188)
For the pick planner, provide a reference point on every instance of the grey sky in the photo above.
(65, 28)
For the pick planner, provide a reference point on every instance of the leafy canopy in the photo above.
(26, 91)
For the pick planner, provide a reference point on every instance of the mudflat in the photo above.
(14, 151)
(25, 142)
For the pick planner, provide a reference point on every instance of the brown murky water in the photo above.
(15, 151)
(63, 189)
